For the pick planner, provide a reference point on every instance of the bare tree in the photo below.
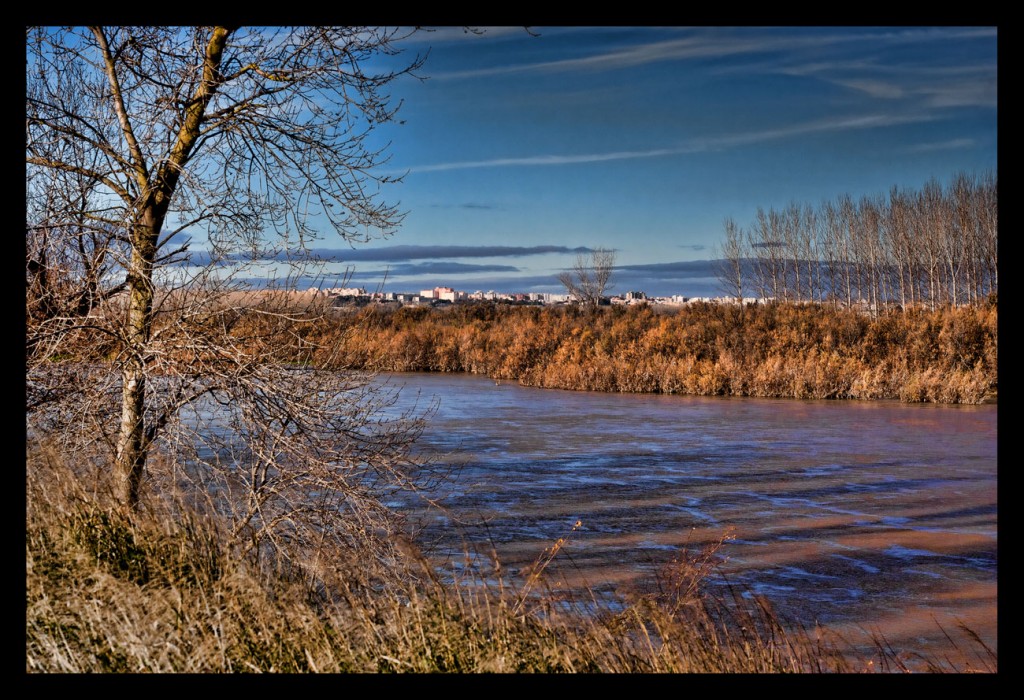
(968, 230)
(868, 249)
(808, 247)
(590, 276)
(732, 259)
(932, 216)
(897, 236)
(259, 139)
(766, 241)
(789, 228)
(988, 221)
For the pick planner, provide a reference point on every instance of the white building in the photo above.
(346, 292)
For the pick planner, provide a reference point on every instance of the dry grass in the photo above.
(165, 591)
(802, 351)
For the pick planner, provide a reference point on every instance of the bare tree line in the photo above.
(928, 248)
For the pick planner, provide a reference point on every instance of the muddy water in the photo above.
(859, 516)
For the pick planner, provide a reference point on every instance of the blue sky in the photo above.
(520, 148)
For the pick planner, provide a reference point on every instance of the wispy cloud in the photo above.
(719, 43)
(868, 121)
(941, 146)
(952, 85)
(418, 252)
(465, 205)
(400, 253)
(962, 93)
(546, 160)
(671, 270)
(445, 268)
(641, 54)
(874, 88)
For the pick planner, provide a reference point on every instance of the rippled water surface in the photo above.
(873, 516)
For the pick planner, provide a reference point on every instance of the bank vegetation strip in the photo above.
(785, 350)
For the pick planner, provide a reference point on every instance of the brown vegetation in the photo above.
(803, 351)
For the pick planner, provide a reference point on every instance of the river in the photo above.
(863, 517)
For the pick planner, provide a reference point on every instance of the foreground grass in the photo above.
(165, 591)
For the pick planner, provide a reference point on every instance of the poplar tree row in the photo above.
(929, 248)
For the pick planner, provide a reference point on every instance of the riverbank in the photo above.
(802, 351)
(169, 590)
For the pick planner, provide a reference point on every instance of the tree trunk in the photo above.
(132, 445)
(133, 442)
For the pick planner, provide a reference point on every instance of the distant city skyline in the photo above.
(518, 150)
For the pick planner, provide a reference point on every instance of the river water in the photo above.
(863, 517)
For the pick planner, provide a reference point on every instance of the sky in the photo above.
(522, 148)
